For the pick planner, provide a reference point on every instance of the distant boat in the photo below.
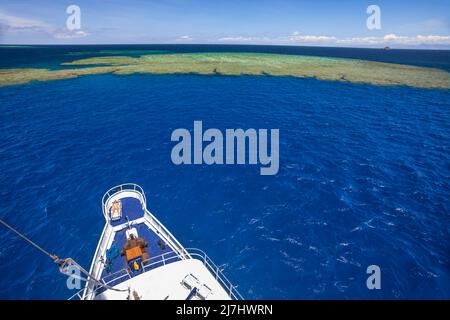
(386, 48)
(138, 258)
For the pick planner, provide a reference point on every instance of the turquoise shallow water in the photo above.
(364, 179)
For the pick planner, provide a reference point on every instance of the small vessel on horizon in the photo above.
(138, 258)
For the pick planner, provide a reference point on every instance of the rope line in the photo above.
(63, 264)
(52, 256)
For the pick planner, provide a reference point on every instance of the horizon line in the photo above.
(220, 44)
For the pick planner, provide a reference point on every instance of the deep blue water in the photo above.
(364, 179)
(53, 56)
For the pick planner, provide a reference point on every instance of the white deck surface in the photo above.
(165, 283)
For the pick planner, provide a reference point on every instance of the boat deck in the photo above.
(131, 208)
(115, 269)
(169, 271)
(167, 284)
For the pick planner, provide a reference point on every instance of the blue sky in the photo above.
(289, 22)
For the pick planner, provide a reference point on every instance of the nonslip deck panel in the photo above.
(150, 237)
(115, 271)
(131, 208)
(156, 246)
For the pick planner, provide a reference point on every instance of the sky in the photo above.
(403, 24)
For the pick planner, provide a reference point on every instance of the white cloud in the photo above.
(236, 39)
(67, 34)
(185, 38)
(390, 39)
(16, 24)
(393, 39)
(434, 39)
(297, 37)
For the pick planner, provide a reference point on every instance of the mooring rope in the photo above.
(52, 256)
(63, 264)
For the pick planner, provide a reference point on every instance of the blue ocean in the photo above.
(364, 174)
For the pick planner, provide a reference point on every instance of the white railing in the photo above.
(162, 259)
(163, 232)
(77, 296)
(166, 258)
(110, 278)
(122, 188)
(107, 280)
(216, 271)
(194, 253)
